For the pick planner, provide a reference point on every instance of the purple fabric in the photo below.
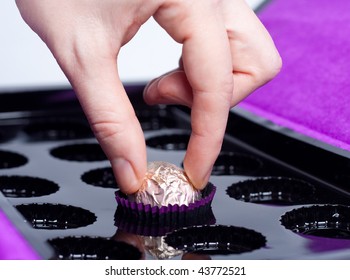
(12, 244)
(311, 95)
(323, 244)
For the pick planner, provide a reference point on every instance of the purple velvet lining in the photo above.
(312, 92)
(12, 244)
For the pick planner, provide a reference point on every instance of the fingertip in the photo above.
(149, 88)
(198, 179)
(128, 180)
(171, 88)
(150, 91)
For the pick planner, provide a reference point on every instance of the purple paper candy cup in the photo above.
(156, 221)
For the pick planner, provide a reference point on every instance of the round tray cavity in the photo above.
(273, 190)
(25, 186)
(56, 216)
(216, 239)
(11, 160)
(332, 221)
(102, 177)
(169, 142)
(79, 152)
(155, 119)
(57, 130)
(93, 248)
(229, 163)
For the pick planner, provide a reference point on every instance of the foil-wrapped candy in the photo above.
(165, 184)
(158, 248)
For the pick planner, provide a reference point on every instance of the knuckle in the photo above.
(275, 66)
(271, 67)
(107, 128)
(104, 129)
(267, 69)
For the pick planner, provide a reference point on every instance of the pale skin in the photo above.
(227, 53)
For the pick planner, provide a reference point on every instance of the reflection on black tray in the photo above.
(93, 248)
(216, 239)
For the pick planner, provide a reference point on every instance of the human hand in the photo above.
(227, 53)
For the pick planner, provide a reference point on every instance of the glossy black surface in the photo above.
(56, 216)
(56, 175)
(26, 186)
(10, 159)
(331, 221)
(93, 248)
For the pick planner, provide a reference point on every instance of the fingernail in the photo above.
(202, 184)
(149, 87)
(125, 176)
(199, 183)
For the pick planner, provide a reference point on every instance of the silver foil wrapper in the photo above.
(165, 184)
(158, 248)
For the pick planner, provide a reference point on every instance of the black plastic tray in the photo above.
(278, 196)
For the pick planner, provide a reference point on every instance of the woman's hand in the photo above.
(227, 53)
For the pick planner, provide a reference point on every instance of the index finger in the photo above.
(208, 67)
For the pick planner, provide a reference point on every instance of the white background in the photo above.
(25, 61)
